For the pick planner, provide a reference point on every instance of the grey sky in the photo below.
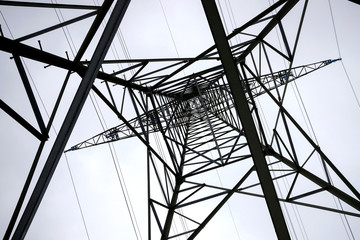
(327, 95)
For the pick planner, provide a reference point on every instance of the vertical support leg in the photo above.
(243, 111)
(171, 212)
(71, 118)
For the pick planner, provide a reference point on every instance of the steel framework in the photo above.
(208, 120)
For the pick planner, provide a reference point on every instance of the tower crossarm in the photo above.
(120, 132)
(282, 77)
(271, 80)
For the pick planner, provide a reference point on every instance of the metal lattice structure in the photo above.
(208, 120)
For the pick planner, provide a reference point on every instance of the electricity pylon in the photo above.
(208, 120)
(272, 81)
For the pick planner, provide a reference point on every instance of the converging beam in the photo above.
(71, 118)
(244, 113)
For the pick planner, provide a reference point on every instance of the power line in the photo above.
(357, 100)
(47, 114)
(339, 52)
(285, 181)
(119, 174)
(77, 195)
(168, 26)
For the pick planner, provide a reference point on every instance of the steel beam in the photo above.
(174, 200)
(48, 5)
(244, 113)
(308, 138)
(71, 118)
(221, 204)
(31, 96)
(57, 26)
(21, 121)
(128, 124)
(11, 46)
(355, 1)
(353, 202)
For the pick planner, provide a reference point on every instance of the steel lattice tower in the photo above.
(208, 120)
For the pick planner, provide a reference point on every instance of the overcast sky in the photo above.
(329, 99)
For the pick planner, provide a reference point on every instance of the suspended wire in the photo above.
(126, 196)
(303, 110)
(125, 50)
(339, 205)
(161, 153)
(168, 26)
(76, 194)
(63, 29)
(232, 19)
(100, 116)
(72, 180)
(221, 184)
(301, 107)
(12, 37)
(285, 180)
(72, 46)
(127, 55)
(66, 158)
(183, 222)
(121, 39)
(104, 126)
(112, 46)
(126, 190)
(73, 50)
(111, 146)
(228, 205)
(114, 155)
(118, 172)
(178, 55)
(117, 165)
(115, 51)
(171, 35)
(339, 52)
(268, 133)
(223, 18)
(297, 96)
(312, 132)
(67, 161)
(232, 22)
(357, 100)
(53, 127)
(309, 125)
